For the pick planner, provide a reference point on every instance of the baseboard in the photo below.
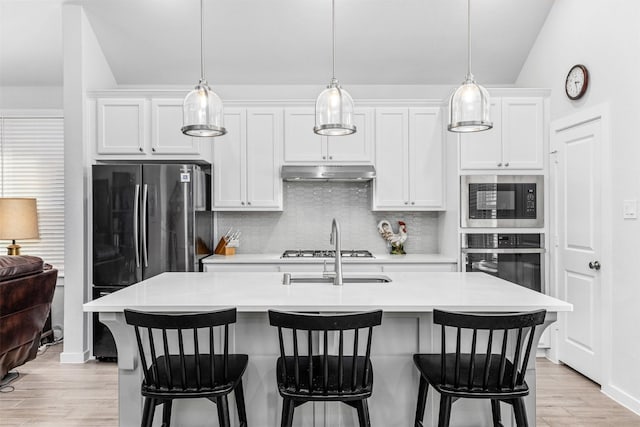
(67, 357)
(622, 397)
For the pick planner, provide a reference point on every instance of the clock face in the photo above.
(577, 80)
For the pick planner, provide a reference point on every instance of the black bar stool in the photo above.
(480, 373)
(307, 373)
(171, 373)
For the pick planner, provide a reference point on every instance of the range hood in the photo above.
(355, 173)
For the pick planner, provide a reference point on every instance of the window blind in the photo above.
(32, 165)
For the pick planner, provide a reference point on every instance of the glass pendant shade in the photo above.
(334, 111)
(469, 108)
(202, 113)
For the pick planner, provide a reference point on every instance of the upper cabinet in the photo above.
(516, 140)
(302, 145)
(247, 161)
(137, 128)
(410, 173)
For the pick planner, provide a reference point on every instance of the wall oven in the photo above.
(502, 201)
(518, 258)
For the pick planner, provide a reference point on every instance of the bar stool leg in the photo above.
(422, 401)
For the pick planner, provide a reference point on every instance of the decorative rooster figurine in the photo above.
(396, 240)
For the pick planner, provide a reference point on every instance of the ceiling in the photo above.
(156, 42)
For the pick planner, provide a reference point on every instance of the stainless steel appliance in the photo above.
(315, 173)
(144, 222)
(518, 258)
(326, 253)
(502, 201)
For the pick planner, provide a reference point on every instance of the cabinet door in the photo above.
(483, 150)
(120, 126)
(522, 133)
(357, 147)
(166, 122)
(264, 142)
(301, 144)
(229, 153)
(426, 158)
(392, 142)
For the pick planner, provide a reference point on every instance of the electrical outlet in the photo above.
(630, 208)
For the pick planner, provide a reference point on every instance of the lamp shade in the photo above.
(18, 219)
(334, 111)
(469, 108)
(202, 112)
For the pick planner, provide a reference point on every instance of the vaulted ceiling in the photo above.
(156, 42)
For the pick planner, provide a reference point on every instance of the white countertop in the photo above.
(378, 258)
(258, 292)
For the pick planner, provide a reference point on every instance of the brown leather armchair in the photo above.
(26, 291)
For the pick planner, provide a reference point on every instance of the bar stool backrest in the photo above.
(195, 359)
(479, 368)
(308, 340)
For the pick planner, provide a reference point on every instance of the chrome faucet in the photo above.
(335, 240)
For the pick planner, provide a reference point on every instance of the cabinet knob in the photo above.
(140, 149)
(499, 164)
(406, 203)
(324, 157)
(330, 157)
(507, 164)
(242, 203)
(413, 203)
(153, 149)
(248, 203)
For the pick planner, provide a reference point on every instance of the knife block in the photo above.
(224, 248)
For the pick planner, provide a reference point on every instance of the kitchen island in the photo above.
(408, 302)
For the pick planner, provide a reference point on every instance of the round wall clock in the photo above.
(577, 81)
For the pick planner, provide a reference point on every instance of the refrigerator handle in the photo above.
(136, 210)
(144, 226)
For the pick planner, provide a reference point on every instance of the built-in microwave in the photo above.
(502, 201)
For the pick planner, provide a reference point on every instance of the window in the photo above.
(32, 165)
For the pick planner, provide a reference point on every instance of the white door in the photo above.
(577, 165)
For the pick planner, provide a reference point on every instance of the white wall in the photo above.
(30, 97)
(604, 36)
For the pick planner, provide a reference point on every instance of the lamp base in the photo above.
(13, 249)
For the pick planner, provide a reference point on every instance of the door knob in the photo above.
(594, 265)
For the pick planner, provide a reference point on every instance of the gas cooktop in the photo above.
(324, 253)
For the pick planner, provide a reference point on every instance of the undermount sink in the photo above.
(288, 278)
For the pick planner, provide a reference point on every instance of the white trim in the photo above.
(622, 397)
(600, 112)
(68, 357)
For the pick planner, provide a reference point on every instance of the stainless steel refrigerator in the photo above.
(144, 223)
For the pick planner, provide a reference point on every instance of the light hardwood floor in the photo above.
(48, 393)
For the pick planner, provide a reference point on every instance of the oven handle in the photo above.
(503, 251)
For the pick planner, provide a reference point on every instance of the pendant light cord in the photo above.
(468, 38)
(333, 38)
(202, 40)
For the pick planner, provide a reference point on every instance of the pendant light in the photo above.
(202, 109)
(469, 104)
(334, 106)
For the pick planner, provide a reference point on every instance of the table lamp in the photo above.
(18, 220)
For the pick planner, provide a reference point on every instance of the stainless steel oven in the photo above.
(518, 258)
(502, 201)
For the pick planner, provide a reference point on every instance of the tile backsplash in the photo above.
(305, 222)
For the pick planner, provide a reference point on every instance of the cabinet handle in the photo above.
(507, 164)
(140, 149)
(499, 164)
(153, 149)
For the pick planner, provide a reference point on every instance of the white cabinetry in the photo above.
(409, 159)
(302, 145)
(516, 140)
(247, 161)
(138, 128)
